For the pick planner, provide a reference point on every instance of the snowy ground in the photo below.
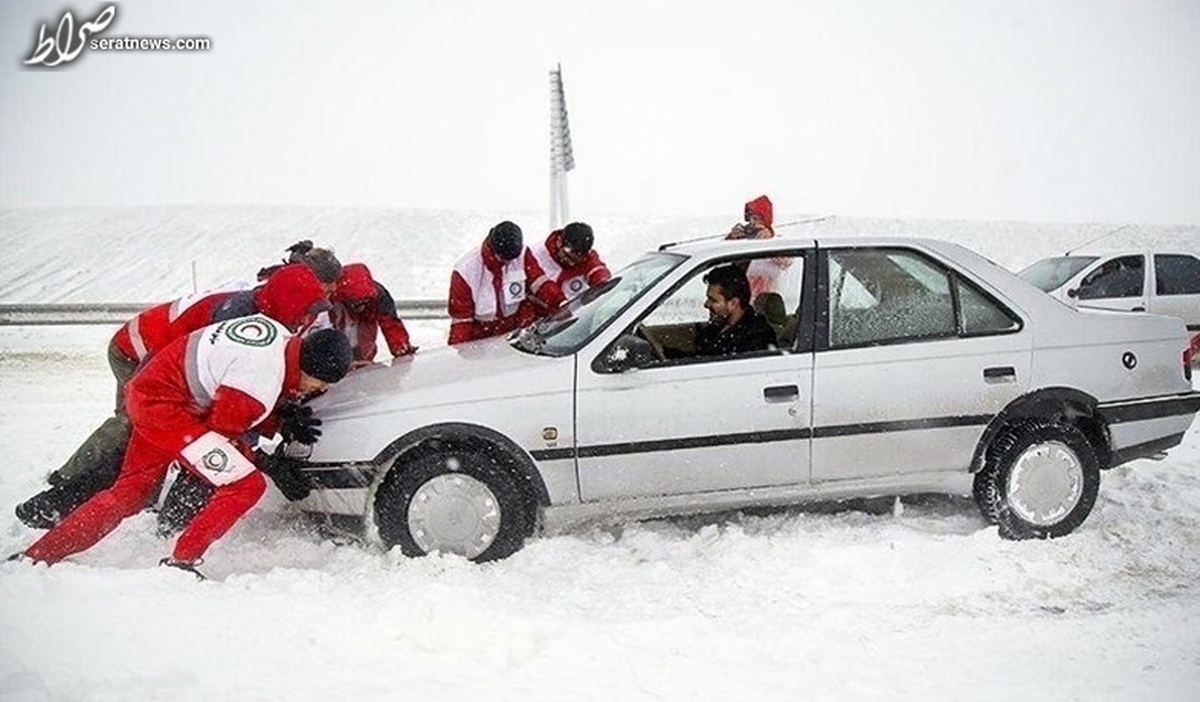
(919, 600)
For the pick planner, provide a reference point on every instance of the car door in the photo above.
(687, 424)
(912, 361)
(1117, 283)
(1177, 288)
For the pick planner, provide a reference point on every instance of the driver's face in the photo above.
(717, 305)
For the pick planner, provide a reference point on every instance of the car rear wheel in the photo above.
(1040, 480)
(452, 501)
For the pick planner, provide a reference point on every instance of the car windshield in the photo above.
(1050, 273)
(568, 329)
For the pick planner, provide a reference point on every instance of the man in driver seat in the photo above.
(733, 325)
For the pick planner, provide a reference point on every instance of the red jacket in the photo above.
(572, 280)
(150, 331)
(292, 296)
(490, 297)
(362, 308)
(229, 398)
(1193, 352)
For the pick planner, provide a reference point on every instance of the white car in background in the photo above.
(902, 366)
(1158, 282)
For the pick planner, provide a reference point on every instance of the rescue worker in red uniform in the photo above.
(192, 402)
(764, 274)
(568, 259)
(499, 288)
(293, 297)
(362, 308)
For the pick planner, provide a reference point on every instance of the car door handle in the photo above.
(781, 393)
(1139, 308)
(999, 373)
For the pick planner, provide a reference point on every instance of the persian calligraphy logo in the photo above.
(67, 42)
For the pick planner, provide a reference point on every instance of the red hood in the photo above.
(762, 207)
(355, 283)
(291, 295)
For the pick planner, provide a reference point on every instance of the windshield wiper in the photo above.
(533, 337)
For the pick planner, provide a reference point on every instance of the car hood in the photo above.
(466, 373)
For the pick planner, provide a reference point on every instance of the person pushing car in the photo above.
(192, 402)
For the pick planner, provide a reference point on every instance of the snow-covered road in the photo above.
(916, 601)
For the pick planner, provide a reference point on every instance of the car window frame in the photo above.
(956, 277)
(1084, 285)
(800, 345)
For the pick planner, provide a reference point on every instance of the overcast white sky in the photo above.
(1085, 110)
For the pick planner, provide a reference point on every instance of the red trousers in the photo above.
(160, 431)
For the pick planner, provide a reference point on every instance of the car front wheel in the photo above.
(452, 501)
(1040, 480)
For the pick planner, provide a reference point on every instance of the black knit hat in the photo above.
(326, 355)
(506, 241)
(578, 236)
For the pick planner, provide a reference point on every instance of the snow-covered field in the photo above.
(911, 600)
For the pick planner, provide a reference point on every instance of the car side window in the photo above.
(980, 315)
(1176, 274)
(882, 295)
(1117, 277)
(879, 296)
(673, 324)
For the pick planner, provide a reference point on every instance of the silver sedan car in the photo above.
(898, 366)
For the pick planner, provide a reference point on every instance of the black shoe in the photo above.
(189, 566)
(185, 498)
(18, 556)
(37, 512)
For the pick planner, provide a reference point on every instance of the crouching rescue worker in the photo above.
(191, 403)
(293, 296)
(362, 308)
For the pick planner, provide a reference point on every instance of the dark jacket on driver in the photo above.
(751, 333)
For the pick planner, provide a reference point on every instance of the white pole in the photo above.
(564, 214)
(562, 158)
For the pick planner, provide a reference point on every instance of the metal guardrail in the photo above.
(119, 312)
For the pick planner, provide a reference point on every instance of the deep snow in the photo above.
(911, 600)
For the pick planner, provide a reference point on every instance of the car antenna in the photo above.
(810, 220)
(709, 237)
(1105, 235)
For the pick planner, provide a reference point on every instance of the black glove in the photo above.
(296, 423)
(285, 473)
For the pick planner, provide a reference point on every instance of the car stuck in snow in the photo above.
(900, 366)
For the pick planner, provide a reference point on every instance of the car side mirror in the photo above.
(1072, 293)
(627, 353)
